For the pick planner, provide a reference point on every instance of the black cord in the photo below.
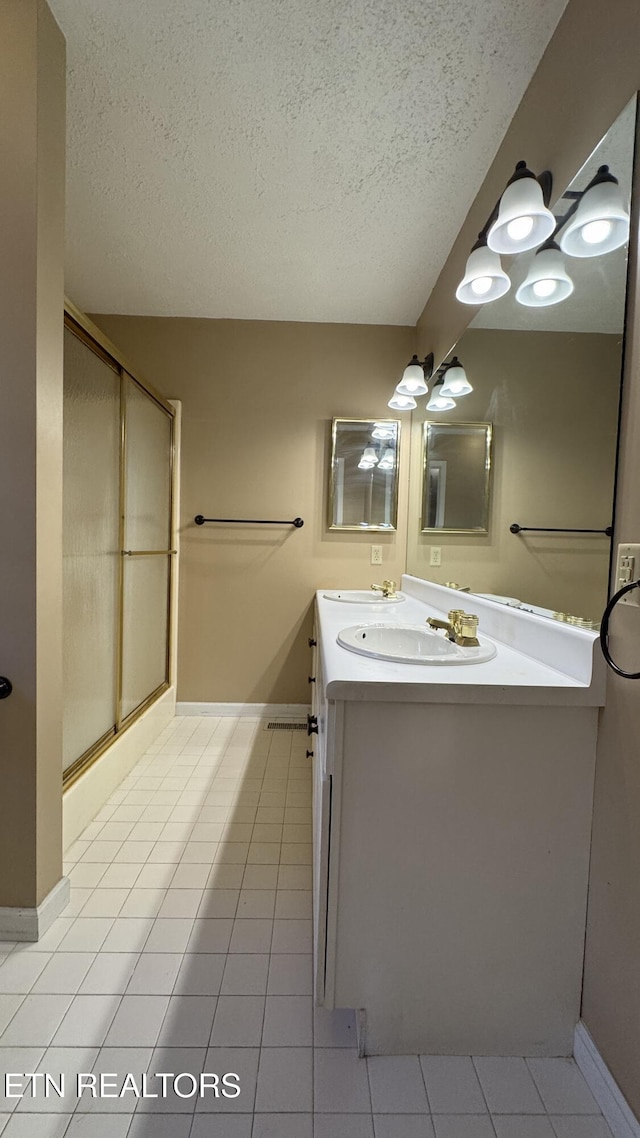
(604, 630)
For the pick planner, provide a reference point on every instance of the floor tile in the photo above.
(190, 877)
(137, 1021)
(128, 934)
(188, 1021)
(579, 1126)
(238, 1021)
(343, 1125)
(294, 904)
(254, 903)
(251, 935)
(397, 1085)
(452, 1085)
(9, 1005)
(36, 1126)
(118, 1062)
(562, 1087)
(181, 903)
(200, 974)
(288, 1022)
(162, 1126)
(180, 1095)
(218, 903)
(508, 1086)
(210, 935)
(143, 902)
(87, 934)
(227, 1126)
(87, 1021)
(282, 1126)
(155, 974)
(341, 1083)
(463, 1126)
(260, 877)
(285, 1080)
(334, 1027)
(292, 936)
(64, 1065)
(109, 974)
(105, 902)
(169, 935)
(290, 975)
(20, 971)
(99, 1126)
(17, 1059)
(524, 1126)
(245, 974)
(36, 1021)
(295, 877)
(244, 1062)
(403, 1126)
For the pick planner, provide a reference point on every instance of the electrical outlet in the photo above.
(435, 557)
(627, 570)
(376, 555)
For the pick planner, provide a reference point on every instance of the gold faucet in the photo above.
(387, 588)
(460, 588)
(461, 628)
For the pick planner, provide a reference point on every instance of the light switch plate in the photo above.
(435, 557)
(627, 570)
(376, 555)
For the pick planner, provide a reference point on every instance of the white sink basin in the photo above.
(363, 597)
(411, 644)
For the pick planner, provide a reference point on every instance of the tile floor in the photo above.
(187, 948)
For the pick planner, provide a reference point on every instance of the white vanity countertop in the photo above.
(538, 661)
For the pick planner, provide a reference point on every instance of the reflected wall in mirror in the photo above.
(548, 378)
(363, 492)
(457, 469)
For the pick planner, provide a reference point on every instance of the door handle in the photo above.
(312, 724)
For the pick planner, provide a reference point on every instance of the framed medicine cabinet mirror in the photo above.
(546, 371)
(456, 479)
(363, 489)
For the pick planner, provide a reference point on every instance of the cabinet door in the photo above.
(321, 834)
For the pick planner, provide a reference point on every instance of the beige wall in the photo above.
(552, 398)
(258, 399)
(32, 95)
(587, 75)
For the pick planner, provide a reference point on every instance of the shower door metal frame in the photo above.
(92, 336)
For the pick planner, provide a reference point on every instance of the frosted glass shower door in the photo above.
(91, 546)
(146, 547)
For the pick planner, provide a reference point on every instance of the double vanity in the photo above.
(452, 818)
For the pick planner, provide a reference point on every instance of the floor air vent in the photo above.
(285, 725)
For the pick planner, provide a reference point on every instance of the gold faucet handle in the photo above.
(389, 588)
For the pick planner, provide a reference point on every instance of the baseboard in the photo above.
(31, 924)
(256, 710)
(614, 1106)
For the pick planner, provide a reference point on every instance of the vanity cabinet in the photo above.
(451, 851)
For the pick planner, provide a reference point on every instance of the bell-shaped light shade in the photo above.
(547, 281)
(600, 223)
(388, 460)
(438, 401)
(369, 455)
(383, 431)
(413, 381)
(523, 219)
(484, 278)
(455, 381)
(399, 402)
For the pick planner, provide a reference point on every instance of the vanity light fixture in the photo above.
(524, 219)
(484, 278)
(547, 281)
(455, 379)
(369, 459)
(400, 402)
(415, 376)
(598, 221)
(438, 401)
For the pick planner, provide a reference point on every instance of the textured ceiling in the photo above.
(282, 159)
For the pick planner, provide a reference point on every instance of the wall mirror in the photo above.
(456, 482)
(548, 379)
(363, 492)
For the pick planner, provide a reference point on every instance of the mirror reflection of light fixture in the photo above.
(455, 382)
(388, 460)
(438, 401)
(400, 402)
(524, 219)
(484, 278)
(547, 281)
(369, 459)
(383, 431)
(600, 222)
